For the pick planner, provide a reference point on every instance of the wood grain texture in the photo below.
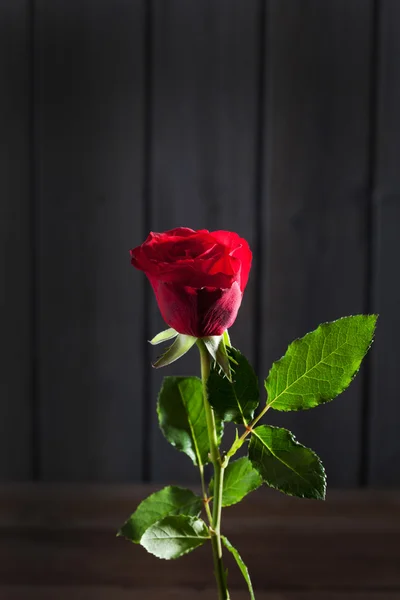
(204, 81)
(85, 121)
(64, 535)
(315, 198)
(115, 593)
(15, 242)
(388, 97)
(385, 409)
(90, 147)
(385, 413)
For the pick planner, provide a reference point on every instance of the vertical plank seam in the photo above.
(33, 223)
(369, 235)
(147, 217)
(259, 247)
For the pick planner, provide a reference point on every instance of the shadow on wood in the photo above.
(347, 547)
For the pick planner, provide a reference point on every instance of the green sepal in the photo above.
(285, 464)
(212, 342)
(171, 500)
(182, 417)
(223, 357)
(244, 570)
(321, 365)
(217, 349)
(227, 339)
(175, 536)
(240, 478)
(234, 400)
(181, 345)
(163, 336)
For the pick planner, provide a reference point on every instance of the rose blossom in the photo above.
(198, 277)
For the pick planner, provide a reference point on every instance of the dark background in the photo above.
(278, 119)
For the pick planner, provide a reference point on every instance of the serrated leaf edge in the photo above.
(173, 444)
(253, 489)
(189, 518)
(300, 339)
(243, 421)
(168, 487)
(297, 443)
(196, 447)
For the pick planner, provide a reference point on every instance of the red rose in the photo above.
(198, 277)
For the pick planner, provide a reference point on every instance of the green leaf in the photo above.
(240, 563)
(286, 465)
(174, 536)
(171, 500)
(321, 365)
(240, 478)
(234, 400)
(182, 418)
(164, 336)
(181, 345)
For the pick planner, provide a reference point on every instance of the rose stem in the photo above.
(205, 495)
(249, 428)
(218, 477)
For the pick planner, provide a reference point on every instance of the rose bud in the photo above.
(198, 277)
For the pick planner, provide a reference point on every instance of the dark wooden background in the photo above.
(279, 119)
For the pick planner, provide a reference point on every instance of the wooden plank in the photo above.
(16, 243)
(388, 121)
(314, 201)
(114, 593)
(90, 90)
(203, 149)
(384, 438)
(385, 411)
(366, 561)
(104, 507)
(64, 535)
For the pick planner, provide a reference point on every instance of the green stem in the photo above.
(219, 570)
(205, 495)
(237, 444)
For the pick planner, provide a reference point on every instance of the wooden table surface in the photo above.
(58, 542)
